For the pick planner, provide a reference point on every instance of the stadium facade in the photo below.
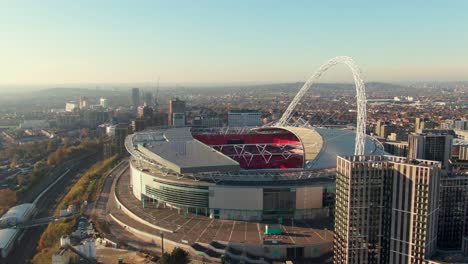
(249, 174)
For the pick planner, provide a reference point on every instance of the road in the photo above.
(46, 207)
(100, 206)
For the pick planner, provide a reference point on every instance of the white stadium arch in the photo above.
(360, 99)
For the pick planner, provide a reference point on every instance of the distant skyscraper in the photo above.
(160, 119)
(92, 119)
(71, 106)
(386, 209)
(83, 102)
(176, 106)
(148, 99)
(103, 102)
(144, 118)
(121, 132)
(431, 147)
(241, 118)
(135, 98)
(138, 125)
(145, 112)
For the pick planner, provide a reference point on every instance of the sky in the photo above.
(96, 42)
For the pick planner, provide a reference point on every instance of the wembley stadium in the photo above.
(245, 194)
(249, 174)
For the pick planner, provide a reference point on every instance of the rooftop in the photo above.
(393, 159)
(7, 236)
(177, 150)
(18, 212)
(243, 111)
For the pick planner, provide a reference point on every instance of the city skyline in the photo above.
(210, 42)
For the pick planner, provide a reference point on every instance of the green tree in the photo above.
(165, 259)
(39, 167)
(180, 256)
(177, 256)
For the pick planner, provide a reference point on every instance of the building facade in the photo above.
(453, 214)
(430, 146)
(71, 106)
(386, 209)
(135, 98)
(104, 102)
(176, 115)
(244, 118)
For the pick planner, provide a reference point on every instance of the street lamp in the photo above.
(162, 242)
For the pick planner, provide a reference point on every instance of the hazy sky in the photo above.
(78, 41)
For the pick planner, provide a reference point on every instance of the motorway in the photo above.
(46, 206)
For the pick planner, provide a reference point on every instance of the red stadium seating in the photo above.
(258, 151)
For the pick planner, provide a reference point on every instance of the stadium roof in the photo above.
(322, 145)
(311, 140)
(177, 150)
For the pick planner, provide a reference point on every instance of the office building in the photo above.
(118, 133)
(396, 148)
(92, 119)
(431, 147)
(378, 126)
(178, 119)
(463, 152)
(176, 115)
(242, 118)
(139, 125)
(148, 98)
(145, 112)
(387, 129)
(460, 125)
(386, 209)
(135, 98)
(199, 121)
(103, 102)
(67, 120)
(83, 102)
(160, 119)
(71, 106)
(423, 123)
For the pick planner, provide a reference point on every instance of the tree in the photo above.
(39, 166)
(66, 141)
(84, 133)
(13, 163)
(165, 259)
(178, 256)
(7, 199)
(50, 145)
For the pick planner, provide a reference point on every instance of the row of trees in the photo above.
(67, 152)
(7, 200)
(84, 189)
(89, 184)
(19, 153)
